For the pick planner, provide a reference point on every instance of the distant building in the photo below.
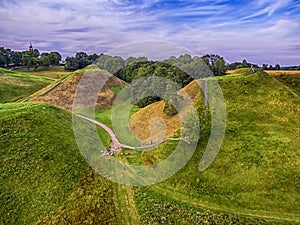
(30, 47)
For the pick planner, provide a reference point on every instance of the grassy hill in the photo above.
(289, 78)
(44, 179)
(62, 92)
(256, 172)
(15, 85)
(253, 180)
(140, 121)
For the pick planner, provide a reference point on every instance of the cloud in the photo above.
(234, 28)
(267, 7)
(281, 28)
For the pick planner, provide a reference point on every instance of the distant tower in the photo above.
(30, 47)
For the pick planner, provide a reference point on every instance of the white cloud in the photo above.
(102, 25)
(281, 28)
(267, 7)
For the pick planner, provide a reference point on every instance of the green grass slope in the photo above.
(256, 172)
(289, 78)
(15, 85)
(44, 179)
(254, 179)
(55, 72)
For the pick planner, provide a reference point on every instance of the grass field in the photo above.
(15, 85)
(254, 179)
(51, 72)
(161, 206)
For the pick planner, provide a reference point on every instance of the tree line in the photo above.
(179, 70)
(33, 59)
(29, 59)
(245, 64)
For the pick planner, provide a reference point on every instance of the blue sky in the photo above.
(261, 31)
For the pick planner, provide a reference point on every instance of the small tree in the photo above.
(220, 67)
(245, 63)
(265, 66)
(277, 67)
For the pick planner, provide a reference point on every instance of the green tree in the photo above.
(71, 63)
(31, 58)
(92, 58)
(132, 60)
(170, 99)
(27, 59)
(4, 57)
(35, 53)
(245, 64)
(216, 63)
(220, 67)
(44, 54)
(82, 58)
(16, 58)
(35, 62)
(45, 61)
(265, 66)
(169, 108)
(185, 59)
(277, 67)
(54, 58)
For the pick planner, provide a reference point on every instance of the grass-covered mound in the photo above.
(256, 172)
(140, 122)
(15, 85)
(62, 92)
(43, 176)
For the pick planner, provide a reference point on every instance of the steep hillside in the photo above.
(256, 172)
(289, 78)
(144, 124)
(15, 85)
(44, 179)
(62, 92)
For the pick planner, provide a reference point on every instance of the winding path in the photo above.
(116, 144)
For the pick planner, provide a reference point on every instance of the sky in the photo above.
(260, 31)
